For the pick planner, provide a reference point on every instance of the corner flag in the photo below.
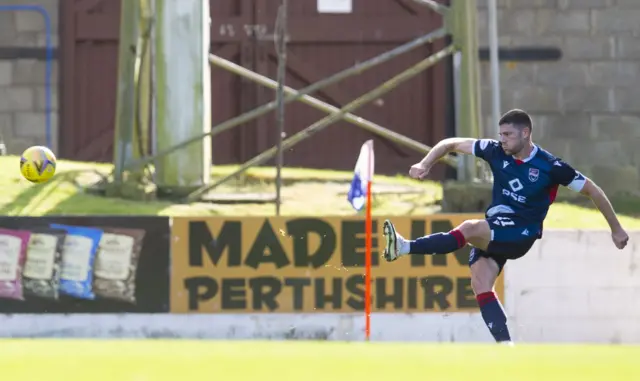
(360, 195)
(362, 176)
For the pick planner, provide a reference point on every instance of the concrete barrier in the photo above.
(575, 286)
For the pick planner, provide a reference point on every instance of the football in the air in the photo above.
(38, 164)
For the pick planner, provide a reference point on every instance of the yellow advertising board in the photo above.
(312, 264)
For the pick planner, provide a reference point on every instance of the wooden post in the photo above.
(125, 108)
(470, 194)
(463, 24)
(141, 131)
(183, 95)
(133, 113)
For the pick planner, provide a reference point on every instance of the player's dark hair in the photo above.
(518, 118)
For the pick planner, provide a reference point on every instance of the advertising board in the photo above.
(312, 265)
(84, 264)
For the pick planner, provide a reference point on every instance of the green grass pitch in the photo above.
(160, 360)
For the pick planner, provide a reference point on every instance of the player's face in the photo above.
(513, 140)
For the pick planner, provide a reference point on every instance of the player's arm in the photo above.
(565, 175)
(601, 201)
(446, 146)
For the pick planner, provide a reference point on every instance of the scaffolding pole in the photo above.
(281, 49)
(495, 62)
(436, 7)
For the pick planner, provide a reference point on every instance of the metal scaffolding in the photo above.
(459, 22)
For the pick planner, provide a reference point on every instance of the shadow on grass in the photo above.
(44, 199)
(30, 199)
(84, 204)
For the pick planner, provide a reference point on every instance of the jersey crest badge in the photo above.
(534, 173)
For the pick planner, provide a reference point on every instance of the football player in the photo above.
(526, 180)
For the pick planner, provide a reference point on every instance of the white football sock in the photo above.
(404, 246)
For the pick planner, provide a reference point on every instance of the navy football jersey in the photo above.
(527, 187)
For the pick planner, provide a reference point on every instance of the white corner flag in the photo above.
(362, 176)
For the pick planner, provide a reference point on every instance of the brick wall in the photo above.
(587, 105)
(22, 79)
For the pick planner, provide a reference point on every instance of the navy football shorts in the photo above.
(511, 238)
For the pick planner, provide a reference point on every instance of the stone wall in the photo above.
(586, 107)
(22, 80)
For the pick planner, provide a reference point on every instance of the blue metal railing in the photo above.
(48, 61)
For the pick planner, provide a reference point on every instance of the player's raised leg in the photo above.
(484, 272)
(474, 232)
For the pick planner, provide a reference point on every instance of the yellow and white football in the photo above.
(38, 164)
